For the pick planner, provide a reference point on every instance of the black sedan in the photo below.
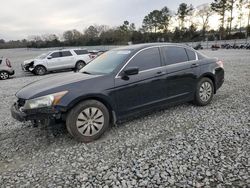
(118, 84)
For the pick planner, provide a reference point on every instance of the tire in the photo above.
(88, 120)
(4, 75)
(204, 92)
(40, 70)
(79, 65)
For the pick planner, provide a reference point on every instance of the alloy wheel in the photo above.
(4, 75)
(205, 91)
(40, 70)
(80, 65)
(90, 121)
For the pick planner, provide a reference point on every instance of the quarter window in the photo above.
(147, 59)
(81, 52)
(175, 55)
(191, 55)
(66, 53)
(55, 55)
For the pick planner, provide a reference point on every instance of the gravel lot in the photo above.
(182, 146)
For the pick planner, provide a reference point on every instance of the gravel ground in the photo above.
(182, 146)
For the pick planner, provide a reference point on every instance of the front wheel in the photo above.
(4, 75)
(204, 92)
(40, 70)
(88, 120)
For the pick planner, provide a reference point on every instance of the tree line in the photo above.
(187, 24)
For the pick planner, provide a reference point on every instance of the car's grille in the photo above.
(20, 102)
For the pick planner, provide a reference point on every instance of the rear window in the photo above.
(66, 53)
(81, 52)
(175, 55)
(191, 55)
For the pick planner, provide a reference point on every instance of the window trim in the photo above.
(196, 56)
(160, 47)
(130, 59)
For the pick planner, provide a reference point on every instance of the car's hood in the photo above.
(52, 85)
(28, 61)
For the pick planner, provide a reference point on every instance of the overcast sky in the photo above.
(22, 18)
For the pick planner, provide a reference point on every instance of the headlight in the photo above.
(45, 101)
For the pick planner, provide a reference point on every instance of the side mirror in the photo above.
(49, 57)
(131, 71)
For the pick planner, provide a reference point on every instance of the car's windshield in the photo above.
(42, 56)
(107, 62)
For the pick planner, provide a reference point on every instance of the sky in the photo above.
(22, 18)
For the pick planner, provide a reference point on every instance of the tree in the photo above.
(68, 36)
(239, 6)
(157, 20)
(248, 19)
(2, 41)
(165, 18)
(91, 32)
(204, 14)
(183, 11)
(230, 7)
(220, 7)
(153, 21)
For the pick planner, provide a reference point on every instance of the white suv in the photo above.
(57, 60)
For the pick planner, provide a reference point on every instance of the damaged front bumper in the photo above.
(34, 114)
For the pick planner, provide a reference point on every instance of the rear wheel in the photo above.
(204, 92)
(88, 120)
(80, 65)
(4, 75)
(40, 70)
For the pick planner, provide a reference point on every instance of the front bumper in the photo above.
(34, 114)
(27, 67)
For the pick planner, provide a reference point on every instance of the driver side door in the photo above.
(143, 89)
(54, 62)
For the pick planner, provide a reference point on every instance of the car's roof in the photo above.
(146, 45)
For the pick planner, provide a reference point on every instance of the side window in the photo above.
(0, 61)
(66, 53)
(55, 55)
(175, 55)
(146, 59)
(191, 55)
(81, 52)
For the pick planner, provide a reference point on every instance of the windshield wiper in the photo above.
(85, 72)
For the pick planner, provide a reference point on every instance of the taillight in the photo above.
(8, 62)
(220, 63)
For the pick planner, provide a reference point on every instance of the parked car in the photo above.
(121, 83)
(198, 47)
(6, 69)
(95, 53)
(57, 60)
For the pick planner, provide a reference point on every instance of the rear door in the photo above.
(182, 68)
(143, 89)
(67, 59)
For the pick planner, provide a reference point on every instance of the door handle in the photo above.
(159, 73)
(194, 65)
